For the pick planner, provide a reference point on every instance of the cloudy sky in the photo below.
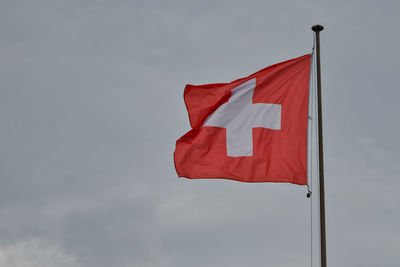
(91, 106)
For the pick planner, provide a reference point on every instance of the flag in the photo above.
(253, 129)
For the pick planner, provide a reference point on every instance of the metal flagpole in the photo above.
(317, 28)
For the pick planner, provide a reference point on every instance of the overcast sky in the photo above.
(91, 106)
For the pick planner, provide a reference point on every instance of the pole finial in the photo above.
(317, 28)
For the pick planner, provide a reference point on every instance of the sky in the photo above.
(91, 104)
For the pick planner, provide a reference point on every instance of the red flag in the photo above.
(253, 129)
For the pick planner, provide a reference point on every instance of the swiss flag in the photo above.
(253, 129)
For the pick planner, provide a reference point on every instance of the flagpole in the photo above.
(317, 28)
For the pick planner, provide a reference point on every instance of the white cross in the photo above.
(239, 116)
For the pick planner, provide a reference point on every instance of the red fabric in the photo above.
(278, 155)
